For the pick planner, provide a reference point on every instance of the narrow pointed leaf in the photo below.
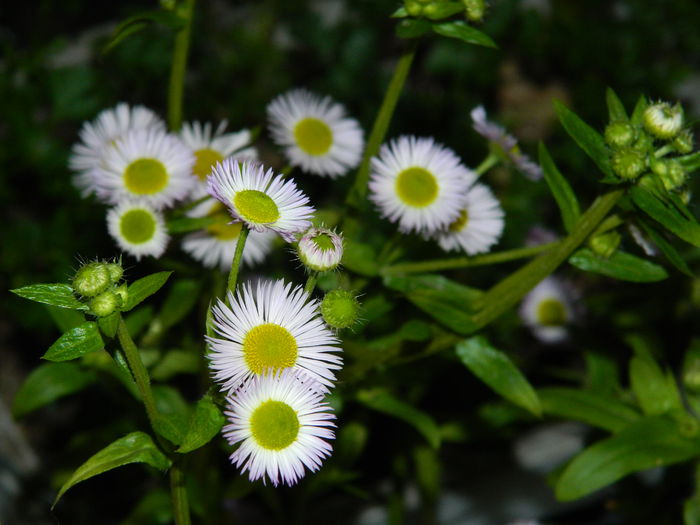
(638, 111)
(75, 342)
(464, 32)
(143, 288)
(561, 190)
(619, 265)
(616, 109)
(55, 294)
(666, 248)
(674, 218)
(655, 390)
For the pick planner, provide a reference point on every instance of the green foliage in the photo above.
(173, 414)
(462, 31)
(75, 343)
(205, 423)
(656, 391)
(616, 110)
(671, 213)
(620, 265)
(58, 294)
(140, 22)
(143, 288)
(561, 190)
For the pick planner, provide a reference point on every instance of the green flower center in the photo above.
(460, 223)
(416, 187)
(137, 226)
(145, 176)
(256, 206)
(323, 242)
(269, 346)
(313, 136)
(551, 312)
(204, 162)
(274, 425)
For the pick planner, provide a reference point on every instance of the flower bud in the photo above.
(673, 175)
(91, 279)
(683, 143)
(663, 120)
(475, 9)
(628, 163)
(123, 292)
(320, 249)
(644, 142)
(605, 244)
(619, 134)
(105, 303)
(340, 309)
(115, 271)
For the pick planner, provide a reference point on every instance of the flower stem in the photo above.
(311, 282)
(176, 86)
(178, 493)
(464, 262)
(489, 162)
(381, 124)
(236, 263)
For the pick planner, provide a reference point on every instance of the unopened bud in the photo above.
(123, 292)
(628, 163)
(91, 279)
(105, 303)
(619, 134)
(663, 120)
(115, 271)
(320, 249)
(644, 142)
(340, 309)
(605, 244)
(673, 175)
(683, 143)
(475, 9)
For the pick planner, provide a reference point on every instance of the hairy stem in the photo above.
(178, 494)
(311, 282)
(236, 263)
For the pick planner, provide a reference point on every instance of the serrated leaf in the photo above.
(652, 441)
(136, 447)
(144, 288)
(204, 424)
(655, 390)
(383, 401)
(674, 218)
(588, 139)
(49, 382)
(360, 258)
(619, 265)
(589, 407)
(412, 28)
(75, 342)
(616, 109)
(496, 369)
(190, 224)
(64, 318)
(173, 414)
(561, 190)
(464, 32)
(109, 324)
(55, 294)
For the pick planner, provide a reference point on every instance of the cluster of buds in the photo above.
(99, 285)
(474, 10)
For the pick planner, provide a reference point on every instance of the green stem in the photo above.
(133, 358)
(489, 162)
(236, 263)
(464, 262)
(381, 124)
(510, 290)
(176, 86)
(178, 493)
(311, 282)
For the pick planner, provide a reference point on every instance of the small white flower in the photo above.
(283, 426)
(259, 198)
(479, 225)
(138, 228)
(315, 133)
(548, 309)
(99, 135)
(320, 249)
(419, 184)
(146, 165)
(508, 144)
(271, 325)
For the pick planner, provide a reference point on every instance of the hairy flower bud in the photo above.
(91, 279)
(683, 143)
(673, 175)
(475, 9)
(628, 163)
(619, 134)
(320, 249)
(115, 271)
(663, 120)
(340, 309)
(105, 303)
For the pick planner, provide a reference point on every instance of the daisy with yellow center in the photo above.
(270, 326)
(419, 184)
(315, 133)
(138, 228)
(549, 309)
(263, 201)
(282, 425)
(146, 165)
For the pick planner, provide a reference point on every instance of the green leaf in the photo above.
(616, 109)
(589, 407)
(588, 139)
(57, 294)
(138, 319)
(412, 28)
(360, 258)
(442, 10)
(143, 288)
(49, 382)
(649, 442)
(64, 318)
(619, 265)
(496, 369)
(667, 249)
(182, 297)
(136, 447)
(176, 362)
(690, 162)
(173, 414)
(190, 224)
(466, 33)
(428, 472)
(400, 13)
(561, 190)
(638, 112)
(109, 324)
(602, 374)
(669, 214)
(75, 342)
(383, 401)
(205, 423)
(141, 21)
(655, 390)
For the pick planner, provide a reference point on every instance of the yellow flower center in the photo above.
(145, 176)
(137, 226)
(204, 162)
(460, 223)
(313, 136)
(269, 346)
(274, 425)
(416, 187)
(551, 312)
(256, 206)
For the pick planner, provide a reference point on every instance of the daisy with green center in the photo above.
(315, 133)
(320, 249)
(283, 426)
(419, 184)
(270, 326)
(146, 165)
(98, 137)
(479, 225)
(138, 228)
(548, 309)
(263, 201)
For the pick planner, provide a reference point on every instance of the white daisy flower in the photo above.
(315, 133)
(282, 424)
(215, 246)
(99, 135)
(138, 228)
(260, 199)
(548, 309)
(271, 325)
(479, 225)
(320, 249)
(210, 147)
(508, 144)
(419, 184)
(147, 165)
